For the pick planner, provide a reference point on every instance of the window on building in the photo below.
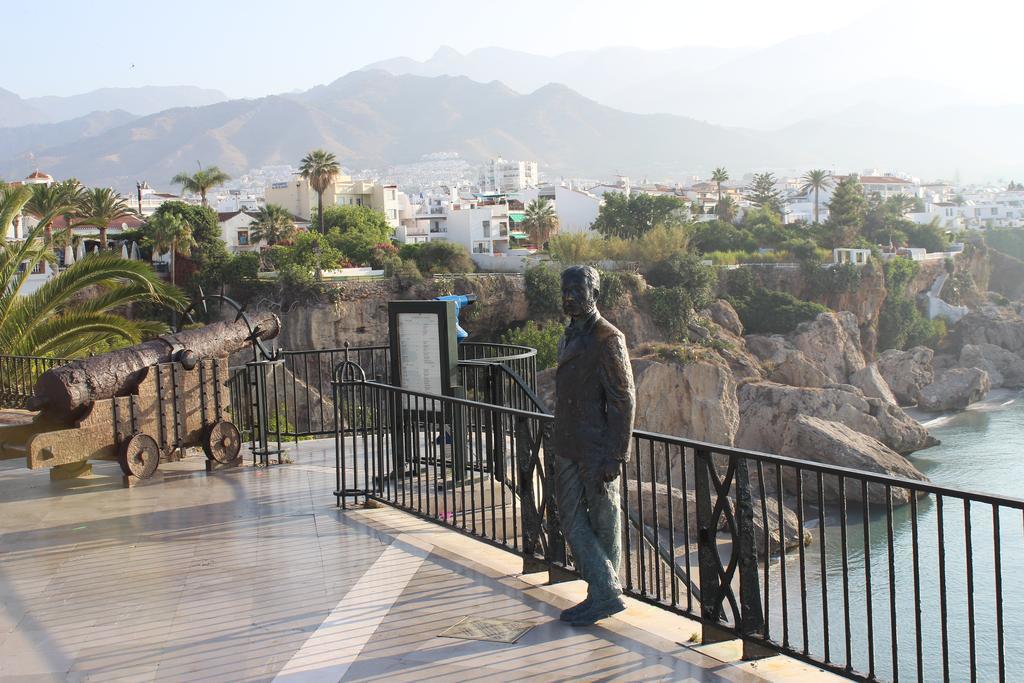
(39, 268)
(481, 248)
(243, 238)
(995, 210)
(359, 201)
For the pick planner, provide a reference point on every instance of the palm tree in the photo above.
(816, 179)
(541, 221)
(201, 181)
(719, 176)
(102, 206)
(12, 202)
(901, 204)
(49, 201)
(169, 231)
(57, 320)
(273, 224)
(320, 168)
(726, 210)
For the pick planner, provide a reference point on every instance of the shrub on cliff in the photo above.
(685, 271)
(671, 309)
(439, 257)
(543, 292)
(543, 337)
(769, 311)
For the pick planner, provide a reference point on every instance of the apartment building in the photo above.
(576, 210)
(506, 175)
(298, 197)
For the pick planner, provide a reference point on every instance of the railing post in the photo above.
(751, 624)
(709, 563)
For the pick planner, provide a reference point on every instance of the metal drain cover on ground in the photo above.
(494, 630)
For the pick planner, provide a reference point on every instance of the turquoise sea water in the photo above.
(982, 450)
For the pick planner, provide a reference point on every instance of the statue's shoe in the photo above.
(598, 611)
(570, 613)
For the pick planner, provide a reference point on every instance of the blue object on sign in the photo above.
(461, 301)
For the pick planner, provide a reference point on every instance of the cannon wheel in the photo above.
(222, 442)
(139, 456)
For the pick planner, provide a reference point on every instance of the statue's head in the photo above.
(580, 287)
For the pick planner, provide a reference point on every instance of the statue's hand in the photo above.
(610, 469)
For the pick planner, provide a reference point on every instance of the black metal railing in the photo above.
(18, 375)
(299, 402)
(869, 576)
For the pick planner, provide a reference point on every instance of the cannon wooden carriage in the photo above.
(139, 406)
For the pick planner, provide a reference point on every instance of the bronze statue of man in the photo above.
(593, 426)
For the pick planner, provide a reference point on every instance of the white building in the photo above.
(299, 198)
(506, 175)
(236, 230)
(148, 200)
(576, 210)
(887, 186)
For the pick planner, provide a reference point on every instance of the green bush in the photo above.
(768, 311)
(899, 272)
(671, 309)
(439, 257)
(834, 279)
(544, 338)
(613, 289)
(685, 271)
(543, 292)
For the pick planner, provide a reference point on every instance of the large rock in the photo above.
(767, 409)
(954, 390)
(661, 503)
(907, 372)
(832, 342)
(696, 400)
(725, 316)
(784, 363)
(829, 442)
(1000, 326)
(1004, 368)
(870, 381)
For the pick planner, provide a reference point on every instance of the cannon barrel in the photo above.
(61, 392)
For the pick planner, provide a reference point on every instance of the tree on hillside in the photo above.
(320, 168)
(846, 213)
(541, 221)
(169, 232)
(102, 206)
(440, 256)
(272, 224)
(631, 217)
(816, 180)
(726, 209)
(719, 176)
(762, 193)
(57, 319)
(210, 253)
(202, 181)
(356, 231)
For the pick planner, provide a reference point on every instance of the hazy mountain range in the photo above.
(587, 113)
(15, 111)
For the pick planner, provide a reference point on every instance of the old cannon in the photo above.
(139, 405)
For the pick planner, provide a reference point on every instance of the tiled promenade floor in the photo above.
(253, 575)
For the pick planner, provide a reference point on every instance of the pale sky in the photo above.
(257, 47)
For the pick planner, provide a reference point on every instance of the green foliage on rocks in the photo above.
(438, 257)
(767, 311)
(543, 292)
(543, 337)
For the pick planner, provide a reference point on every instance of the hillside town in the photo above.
(485, 212)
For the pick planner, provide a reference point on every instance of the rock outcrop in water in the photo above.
(954, 389)
(907, 372)
(1004, 368)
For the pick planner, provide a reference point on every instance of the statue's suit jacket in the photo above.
(595, 398)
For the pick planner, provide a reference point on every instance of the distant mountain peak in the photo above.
(446, 52)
